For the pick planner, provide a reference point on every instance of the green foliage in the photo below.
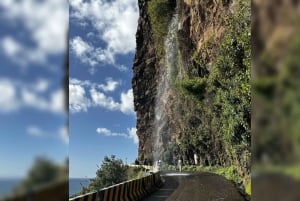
(217, 99)
(171, 154)
(160, 12)
(111, 172)
(247, 185)
(229, 172)
(134, 172)
(43, 171)
(167, 167)
(265, 87)
(195, 87)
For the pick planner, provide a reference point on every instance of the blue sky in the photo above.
(32, 42)
(102, 48)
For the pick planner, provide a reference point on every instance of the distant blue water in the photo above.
(76, 184)
(7, 185)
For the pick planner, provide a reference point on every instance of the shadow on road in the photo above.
(170, 186)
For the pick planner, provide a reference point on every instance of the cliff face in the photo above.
(185, 116)
(144, 81)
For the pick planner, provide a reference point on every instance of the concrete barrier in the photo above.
(127, 191)
(89, 197)
(157, 180)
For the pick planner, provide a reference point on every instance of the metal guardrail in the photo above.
(127, 191)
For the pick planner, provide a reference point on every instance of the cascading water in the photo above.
(161, 128)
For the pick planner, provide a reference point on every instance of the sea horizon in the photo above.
(7, 184)
(76, 184)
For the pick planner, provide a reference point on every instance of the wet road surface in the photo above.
(195, 187)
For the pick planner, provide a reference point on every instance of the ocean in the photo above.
(76, 184)
(7, 185)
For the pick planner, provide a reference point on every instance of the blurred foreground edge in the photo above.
(275, 187)
(57, 191)
(275, 100)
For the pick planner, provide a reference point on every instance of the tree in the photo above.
(43, 171)
(112, 171)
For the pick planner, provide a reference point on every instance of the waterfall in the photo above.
(161, 128)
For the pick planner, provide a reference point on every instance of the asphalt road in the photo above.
(195, 187)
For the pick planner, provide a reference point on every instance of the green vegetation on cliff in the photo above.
(223, 98)
(210, 111)
(160, 12)
(216, 102)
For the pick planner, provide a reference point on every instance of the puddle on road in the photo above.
(176, 174)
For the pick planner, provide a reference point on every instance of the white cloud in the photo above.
(77, 100)
(130, 135)
(57, 101)
(35, 131)
(31, 99)
(80, 101)
(75, 81)
(116, 24)
(64, 134)
(8, 97)
(111, 85)
(61, 133)
(122, 68)
(105, 131)
(10, 46)
(100, 99)
(19, 54)
(126, 105)
(89, 54)
(55, 104)
(90, 34)
(42, 85)
(46, 22)
(16, 95)
(79, 46)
